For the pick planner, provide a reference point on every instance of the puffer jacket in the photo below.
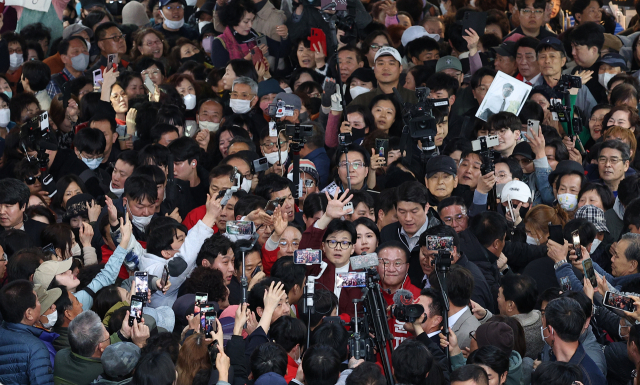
(24, 359)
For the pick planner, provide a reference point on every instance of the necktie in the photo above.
(502, 105)
(529, 83)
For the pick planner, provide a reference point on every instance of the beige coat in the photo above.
(266, 21)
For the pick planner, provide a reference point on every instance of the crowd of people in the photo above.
(147, 155)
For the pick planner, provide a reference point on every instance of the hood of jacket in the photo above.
(515, 369)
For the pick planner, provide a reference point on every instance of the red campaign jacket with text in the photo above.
(396, 327)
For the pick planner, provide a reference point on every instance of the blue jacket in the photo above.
(321, 160)
(47, 338)
(565, 270)
(24, 359)
(591, 375)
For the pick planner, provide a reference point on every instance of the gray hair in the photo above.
(248, 81)
(85, 333)
(632, 253)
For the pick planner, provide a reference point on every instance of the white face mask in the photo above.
(246, 184)
(272, 157)
(189, 101)
(92, 163)
(117, 191)
(594, 245)
(568, 202)
(288, 90)
(15, 60)
(172, 24)
(532, 241)
(358, 90)
(202, 24)
(5, 117)
(604, 78)
(443, 9)
(140, 222)
(209, 126)
(88, 45)
(76, 251)
(51, 319)
(240, 106)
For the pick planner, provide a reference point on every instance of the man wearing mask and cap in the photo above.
(267, 91)
(611, 64)
(55, 62)
(204, 15)
(173, 26)
(48, 317)
(387, 69)
(74, 53)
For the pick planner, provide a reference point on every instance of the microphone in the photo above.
(403, 297)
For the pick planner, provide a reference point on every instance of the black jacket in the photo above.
(481, 292)
(483, 258)
(66, 162)
(33, 229)
(520, 254)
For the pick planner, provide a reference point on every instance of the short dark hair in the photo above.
(63, 47)
(19, 102)
(477, 76)
(514, 167)
(461, 285)
(537, 4)
(474, 373)
(453, 200)
(205, 280)
(412, 191)
(367, 373)
(90, 141)
(13, 191)
(629, 189)
(288, 332)
(385, 202)
(15, 298)
(617, 145)
(101, 30)
(491, 356)
(162, 237)
(290, 273)
(528, 42)
(560, 149)
(337, 225)
(23, 263)
(393, 244)
(334, 335)
(185, 148)
(441, 81)
(256, 294)
(440, 231)
(321, 365)
(412, 362)
(566, 317)
(155, 367)
(102, 116)
(130, 157)
(583, 300)
(531, 110)
(632, 214)
(579, 6)
(589, 34)
(361, 197)
(231, 14)
(314, 203)
(556, 373)
(488, 226)
(359, 149)
(271, 183)
(522, 290)
(268, 357)
(586, 230)
(504, 119)
(324, 302)
(137, 188)
(436, 307)
(354, 49)
(417, 46)
(160, 129)
(38, 74)
(248, 203)
(212, 247)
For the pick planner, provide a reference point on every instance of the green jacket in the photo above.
(72, 369)
(61, 342)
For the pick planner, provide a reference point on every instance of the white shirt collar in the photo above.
(454, 318)
(413, 240)
(433, 334)
(534, 79)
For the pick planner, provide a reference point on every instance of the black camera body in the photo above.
(344, 139)
(408, 313)
(570, 81)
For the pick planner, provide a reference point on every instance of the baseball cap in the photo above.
(46, 272)
(508, 48)
(612, 42)
(119, 359)
(416, 32)
(206, 8)
(307, 167)
(524, 149)
(441, 163)
(388, 51)
(614, 60)
(75, 29)
(269, 86)
(77, 205)
(46, 297)
(552, 42)
(290, 100)
(165, 2)
(448, 62)
(594, 215)
(565, 167)
(497, 334)
(517, 190)
(271, 378)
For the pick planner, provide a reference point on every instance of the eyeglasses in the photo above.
(396, 264)
(376, 47)
(332, 243)
(529, 12)
(284, 244)
(154, 42)
(355, 165)
(472, 335)
(116, 38)
(613, 161)
(174, 7)
(30, 180)
(595, 119)
(458, 218)
(269, 146)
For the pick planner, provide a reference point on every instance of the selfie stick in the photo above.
(307, 304)
(331, 20)
(243, 281)
(443, 266)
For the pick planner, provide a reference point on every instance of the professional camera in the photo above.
(36, 134)
(484, 146)
(570, 81)
(408, 313)
(422, 124)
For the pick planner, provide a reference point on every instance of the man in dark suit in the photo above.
(14, 197)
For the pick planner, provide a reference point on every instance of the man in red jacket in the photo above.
(393, 269)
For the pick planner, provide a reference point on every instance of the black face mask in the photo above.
(115, 8)
(357, 133)
(523, 211)
(314, 106)
(198, 58)
(71, 20)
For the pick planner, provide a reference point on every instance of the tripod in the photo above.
(443, 267)
(307, 304)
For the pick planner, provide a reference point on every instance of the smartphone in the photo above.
(256, 271)
(565, 284)
(318, 38)
(97, 78)
(142, 284)
(165, 276)
(382, 147)
(260, 164)
(510, 209)
(261, 40)
(474, 20)
(208, 324)
(575, 237)
(202, 298)
(533, 126)
(240, 228)
(112, 61)
(348, 208)
(135, 312)
(555, 234)
(256, 55)
(307, 256)
(618, 302)
(438, 243)
(272, 204)
(587, 265)
(351, 279)
(148, 84)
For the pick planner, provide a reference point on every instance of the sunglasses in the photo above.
(30, 180)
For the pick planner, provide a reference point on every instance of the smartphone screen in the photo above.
(142, 284)
(135, 312)
(617, 301)
(165, 276)
(307, 256)
(210, 323)
(587, 265)
(148, 84)
(202, 298)
(351, 279)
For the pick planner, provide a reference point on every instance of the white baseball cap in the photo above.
(415, 32)
(388, 51)
(517, 190)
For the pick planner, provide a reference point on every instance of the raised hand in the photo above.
(319, 55)
(131, 121)
(125, 231)
(279, 222)
(556, 251)
(486, 182)
(86, 234)
(175, 214)
(112, 211)
(335, 206)
(139, 332)
(452, 343)
(282, 31)
(478, 311)
(472, 39)
(213, 210)
(537, 143)
(377, 161)
(94, 211)
(203, 137)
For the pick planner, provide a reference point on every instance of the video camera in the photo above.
(569, 81)
(36, 134)
(422, 123)
(484, 146)
(280, 110)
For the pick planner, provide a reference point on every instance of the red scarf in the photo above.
(236, 51)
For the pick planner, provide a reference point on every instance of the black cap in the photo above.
(552, 42)
(441, 163)
(565, 167)
(524, 149)
(508, 48)
(206, 8)
(77, 205)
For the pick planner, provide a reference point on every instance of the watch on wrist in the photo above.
(559, 263)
